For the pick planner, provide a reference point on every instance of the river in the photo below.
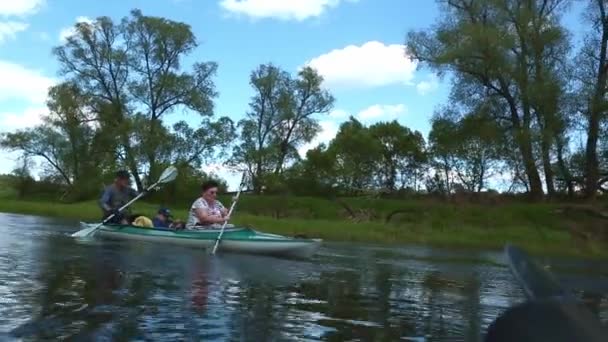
(53, 287)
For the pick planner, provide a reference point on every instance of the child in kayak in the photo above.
(163, 219)
(207, 211)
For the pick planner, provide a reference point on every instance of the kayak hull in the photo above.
(234, 240)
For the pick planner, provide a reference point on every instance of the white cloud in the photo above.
(281, 9)
(30, 117)
(381, 112)
(329, 129)
(19, 7)
(70, 31)
(369, 65)
(338, 113)
(9, 29)
(425, 87)
(19, 83)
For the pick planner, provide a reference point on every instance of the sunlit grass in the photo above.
(532, 228)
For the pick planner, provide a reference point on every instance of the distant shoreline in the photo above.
(428, 227)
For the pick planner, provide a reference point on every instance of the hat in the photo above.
(123, 174)
(165, 212)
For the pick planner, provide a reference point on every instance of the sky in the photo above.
(356, 45)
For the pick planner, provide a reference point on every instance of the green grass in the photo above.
(533, 226)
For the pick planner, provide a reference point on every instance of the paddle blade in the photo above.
(168, 175)
(536, 281)
(86, 232)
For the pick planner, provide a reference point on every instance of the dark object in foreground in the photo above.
(550, 314)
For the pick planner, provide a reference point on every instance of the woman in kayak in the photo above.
(207, 211)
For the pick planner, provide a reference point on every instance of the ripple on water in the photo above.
(52, 287)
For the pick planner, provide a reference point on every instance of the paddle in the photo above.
(550, 314)
(167, 176)
(236, 198)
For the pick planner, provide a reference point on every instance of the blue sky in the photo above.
(355, 44)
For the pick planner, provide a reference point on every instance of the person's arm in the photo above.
(203, 216)
(105, 199)
(223, 209)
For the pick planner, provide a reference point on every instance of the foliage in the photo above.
(280, 120)
(466, 148)
(525, 108)
(121, 80)
(132, 76)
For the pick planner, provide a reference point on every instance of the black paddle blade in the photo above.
(551, 314)
(536, 281)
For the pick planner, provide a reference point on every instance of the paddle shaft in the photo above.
(236, 199)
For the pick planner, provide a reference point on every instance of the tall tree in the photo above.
(281, 118)
(401, 151)
(67, 140)
(356, 155)
(592, 76)
(303, 98)
(134, 69)
(494, 47)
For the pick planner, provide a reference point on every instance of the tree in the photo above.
(501, 52)
(478, 151)
(592, 80)
(315, 175)
(281, 118)
(401, 149)
(442, 148)
(131, 74)
(357, 156)
(67, 141)
(44, 142)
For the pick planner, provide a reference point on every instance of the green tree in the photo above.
(591, 65)
(402, 152)
(466, 148)
(443, 149)
(132, 75)
(68, 141)
(281, 119)
(502, 52)
(315, 175)
(357, 156)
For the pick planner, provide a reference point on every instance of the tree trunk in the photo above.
(545, 149)
(132, 165)
(591, 160)
(563, 168)
(595, 111)
(525, 147)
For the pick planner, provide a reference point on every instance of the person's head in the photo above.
(164, 214)
(209, 190)
(123, 179)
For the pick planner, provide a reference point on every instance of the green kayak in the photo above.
(236, 239)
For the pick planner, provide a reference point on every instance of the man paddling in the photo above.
(115, 196)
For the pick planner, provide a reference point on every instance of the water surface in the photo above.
(54, 288)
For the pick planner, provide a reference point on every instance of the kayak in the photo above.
(236, 239)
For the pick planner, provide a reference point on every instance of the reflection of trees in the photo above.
(258, 314)
(88, 297)
(472, 310)
(122, 292)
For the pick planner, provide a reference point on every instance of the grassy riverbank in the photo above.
(536, 227)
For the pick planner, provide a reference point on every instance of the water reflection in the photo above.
(54, 288)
